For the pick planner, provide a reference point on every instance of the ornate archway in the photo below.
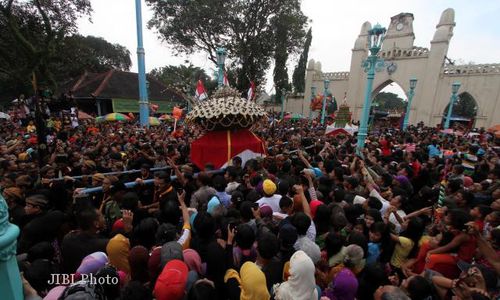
(464, 110)
(431, 66)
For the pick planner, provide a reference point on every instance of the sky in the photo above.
(335, 27)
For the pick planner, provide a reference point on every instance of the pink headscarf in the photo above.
(192, 260)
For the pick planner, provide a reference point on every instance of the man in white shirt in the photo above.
(271, 199)
(395, 201)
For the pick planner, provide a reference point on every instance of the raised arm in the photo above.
(455, 242)
(185, 238)
(305, 205)
(425, 210)
(311, 190)
(303, 159)
(182, 204)
(178, 173)
(485, 248)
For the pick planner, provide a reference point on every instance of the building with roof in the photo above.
(118, 91)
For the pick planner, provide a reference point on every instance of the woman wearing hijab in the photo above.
(193, 260)
(249, 284)
(345, 284)
(171, 284)
(287, 237)
(118, 252)
(215, 207)
(301, 284)
(92, 263)
(138, 261)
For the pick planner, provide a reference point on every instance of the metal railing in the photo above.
(133, 184)
(114, 173)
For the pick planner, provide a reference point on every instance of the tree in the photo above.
(285, 23)
(465, 107)
(79, 53)
(31, 31)
(246, 28)
(184, 77)
(299, 73)
(389, 101)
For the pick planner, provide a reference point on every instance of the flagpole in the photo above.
(143, 97)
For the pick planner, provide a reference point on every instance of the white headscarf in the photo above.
(301, 284)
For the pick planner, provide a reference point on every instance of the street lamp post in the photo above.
(313, 95)
(221, 58)
(10, 279)
(411, 93)
(371, 64)
(143, 94)
(283, 91)
(454, 90)
(326, 82)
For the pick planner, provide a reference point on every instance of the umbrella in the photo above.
(83, 115)
(113, 117)
(293, 117)
(153, 121)
(4, 116)
(447, 131)
(451, 131)
(165, 118)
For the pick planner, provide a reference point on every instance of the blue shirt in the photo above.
(433, 151)
(373, 253)
(224, 198)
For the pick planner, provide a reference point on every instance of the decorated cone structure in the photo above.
(226, 119)
(220, 146)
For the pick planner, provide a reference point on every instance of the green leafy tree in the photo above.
(184, 78)
(299, 73)
(246, 28)
(465, 107)
(79, 53)
(389, 101)
(288, 20)
(31, 31)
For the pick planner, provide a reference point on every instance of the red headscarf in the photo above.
(171, 283)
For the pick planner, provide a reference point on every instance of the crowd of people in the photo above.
(415, 215)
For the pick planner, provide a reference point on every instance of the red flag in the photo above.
(219, 147)
(177, 113)
(226, 81)
(251, 91)
(201, 93)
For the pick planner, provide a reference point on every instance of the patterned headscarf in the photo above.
(118, 251)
